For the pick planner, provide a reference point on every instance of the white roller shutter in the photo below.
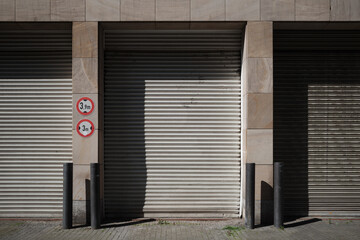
(316, 120)
(172, 123)
(35, 120)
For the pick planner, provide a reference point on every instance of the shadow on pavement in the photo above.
(125, 222)
(300, 223)
(80, 226)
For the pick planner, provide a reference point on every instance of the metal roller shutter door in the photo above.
(172, 123)
(35, 121)
(317, 120)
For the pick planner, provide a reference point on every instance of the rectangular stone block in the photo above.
(345, 10)
(68, 10)
(278, 10)
(211, 25)
(7, 10)
(137, 10)
(102, 10)
(259, 146)
(260, 75)
(93, 117)
(264, 182)
(312, 10)
(85, 75)
(85, 40)
(259, 37)
(81, 182)
(170, 10)
(242, 10)
(85, 149)
(260, 110)
(32, 10)
(173, 25)
(207, 10)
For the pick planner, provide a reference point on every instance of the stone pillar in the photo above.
(257, 128)
(85, 84)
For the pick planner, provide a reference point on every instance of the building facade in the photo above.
(172, 98)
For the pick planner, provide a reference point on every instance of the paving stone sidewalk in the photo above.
(304, 229)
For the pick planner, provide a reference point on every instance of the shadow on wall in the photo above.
(82, 218)
(264, 207)
(316, 87)
(124, 134)
(291, 141)
(87, 192)
(267, 204)
(291, 127)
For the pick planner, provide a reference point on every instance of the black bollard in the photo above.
(67, 195)
(250, 196)
(278, 195)
(95, 195)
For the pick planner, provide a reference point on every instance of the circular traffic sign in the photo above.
(85, 106)
(85, 128)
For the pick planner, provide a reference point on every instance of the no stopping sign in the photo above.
(85, 106)
(85, 128)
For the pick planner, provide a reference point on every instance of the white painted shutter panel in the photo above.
(172, 123)
(35, 120)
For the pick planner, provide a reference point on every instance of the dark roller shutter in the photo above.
(317, 120)
(35, 120)
(172, 123)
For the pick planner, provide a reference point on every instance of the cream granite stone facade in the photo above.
(257, 64)
(137, 10)
(85, 84)
(257, 133)
(179, 10)
(7, 10)
(67, 10)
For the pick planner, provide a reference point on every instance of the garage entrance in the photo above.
(35, 118)
(172, 123)
(317, 120)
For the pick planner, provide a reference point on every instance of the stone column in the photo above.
(85, 84)
(257, 128)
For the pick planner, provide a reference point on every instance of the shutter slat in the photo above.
(35, 121)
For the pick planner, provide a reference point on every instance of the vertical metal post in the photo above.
(95, 195)
(278, 195)
(250, 196)
(67, 195)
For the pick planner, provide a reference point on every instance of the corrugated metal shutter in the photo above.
(35, 121)
(317, 120)
(172, 123)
